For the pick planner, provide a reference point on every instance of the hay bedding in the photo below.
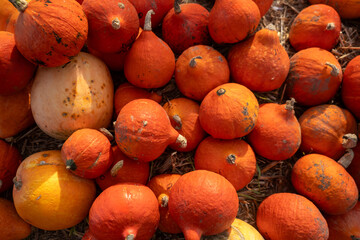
(271, 177)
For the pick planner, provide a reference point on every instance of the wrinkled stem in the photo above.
(335, 71)
(177, 8)
(181, 141)
(347, 158)
(115, 24)
(107, 133)
(147, 24)
(193, 61)
(115, 169)
(164, 200)
(330, 26)
(20, 5)
(231, 159)
(290, 104)
(17, 183)
(178, 122)
(130, 237)
(349, 140)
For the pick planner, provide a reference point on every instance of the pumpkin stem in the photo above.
(164, 200)
(20, 5)
(177, 8)
(121, 5)
(147, 24)
(349, 140)
(220, 92)
(130, 237)
(193, 62)
(231, 158)
(70, 165)
(330, 26)
(181, 141)
(335, 71)
(178, 122)
(115, 23)
(107, 133)
(290, 104)
(271, 27)
(115, 169)
(347, 158)
(17, 183)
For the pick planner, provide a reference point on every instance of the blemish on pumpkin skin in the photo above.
(64, 114)
(38, 197)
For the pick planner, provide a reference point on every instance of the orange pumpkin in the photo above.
(325, 182)
(161, 186)
(350, 89)
(314, 78)
(354, 167)
(274, 214)
(8, 16)
(260, 63)
(199, 69)
(229, 111)
(233, 159)
(50, 33)
(10, 160)
(335, 128)
(346, 8)
(203, 203)
(263, 5)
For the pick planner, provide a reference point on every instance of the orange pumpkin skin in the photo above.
(277, 133)
(349, 9)
(350, 89)
(326, 183)
(161, 186)
(126, 92)
(199, 69)
(203, 203)
(318, 25)
(10, 160)
(229, 111)
(354, 167)
(11, 225)
(263, 5)
(232, 21)
(314, 78)
(124, 210)
(273, 214)
(15, 71)
(143, 130)
(184, 117)
(233, 159)
(261, 51)
(113, 25)
(123, 169)
(53, 40)
(114, 61)
(8, 16)
(328, 125)
(345, 226)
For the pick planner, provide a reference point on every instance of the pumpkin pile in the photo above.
(125, 87)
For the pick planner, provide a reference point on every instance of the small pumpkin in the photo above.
(229, 111)
(349, 9)
(263, 5)
(161, 186)
(199, 69)
(325, 182)
(234, 159)
(242, 230)
(307, 222)
(10, 159)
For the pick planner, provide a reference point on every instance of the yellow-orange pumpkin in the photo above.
(242, 230)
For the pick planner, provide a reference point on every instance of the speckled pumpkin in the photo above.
(10, 160)
(349, 9)
(350, 89)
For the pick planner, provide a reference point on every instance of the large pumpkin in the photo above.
(350, 89)
(10, 160)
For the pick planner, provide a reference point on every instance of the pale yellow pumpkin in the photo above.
(241, 230)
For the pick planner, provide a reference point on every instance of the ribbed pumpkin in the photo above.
(346, 8)
(113, 25)
(263, 5)
(354, 167)
(334, 127)
(231, 21)
(277, 134)
(123, 169)
(203, 203)
(143, 130)
(274, 214)
(184, 117)
(8, 16)
(325, 182)
(124, 211)
(350, 89)
(77, 95)
(150, 62)
(50, 33)
(242, 230)
(260, 63)
(229, 111)
(314, 78)
(233, 159)
(10, 160)
(318, 25)
(186, 25)
(161, 186)
(12, 226)
(199, 69)
(48, 196)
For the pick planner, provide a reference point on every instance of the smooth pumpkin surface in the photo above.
(8, 16)
(346, 8)
(10, 159)
(350, 88)
(242, 230)
(48, 196)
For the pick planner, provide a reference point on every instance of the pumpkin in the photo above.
(231, 21)
(334, 127)
(77, 95)
(277, 134)
(161, 186)
(349, 9)
(229, 111)
(11, 225)
(350, 88)
(124, 211)
(260, 63)
(150, 62)
(10, 160)
(50, 33)
(242, 230)
(199, 69)
(274, 214)
(113, 25)
(143, 130)
(126, 92)
(318, 25)
(263, 5)
(314, 78)
(123, 169)
(186, 25)
(184, 117)
(234, 159)
(48, 196)
(354, 167)
(325, 182)
(114, 61)
(8, 16)
(203, 203)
